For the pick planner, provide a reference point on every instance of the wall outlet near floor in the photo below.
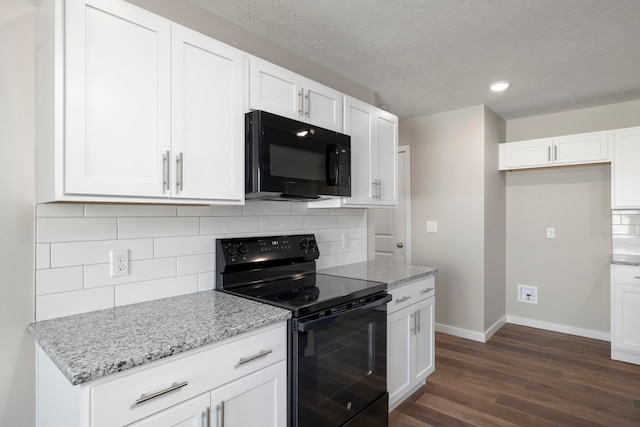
(528, 294)
(120, 262)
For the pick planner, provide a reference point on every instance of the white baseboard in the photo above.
(548, 326)
(555, 327)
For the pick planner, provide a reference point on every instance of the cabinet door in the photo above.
(625, 170)
(627, 317)
(323, 105)
(387, 133)
(274, 89)
(192, 413)
(400, 349)
(207, 118)
(258, 399)
(525, 154)
(358, 123)
(425, 339)
(117, 100)
(584, 148)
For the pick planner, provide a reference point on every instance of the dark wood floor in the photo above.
(524, 377)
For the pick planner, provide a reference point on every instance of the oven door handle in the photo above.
(304, 326)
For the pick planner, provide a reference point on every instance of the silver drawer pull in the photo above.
(426, 291)
(174, 386)
(403, 299)
(262, 353)
(637, 277)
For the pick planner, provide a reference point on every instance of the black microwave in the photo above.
(290, 160)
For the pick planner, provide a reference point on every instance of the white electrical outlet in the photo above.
(551, 233)
(120, 262)
(432, 226)
(528, 294)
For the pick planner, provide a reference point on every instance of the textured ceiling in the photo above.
(427, 56)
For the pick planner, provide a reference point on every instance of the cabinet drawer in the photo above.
(412, 292)
(628, 275)
(113, 401)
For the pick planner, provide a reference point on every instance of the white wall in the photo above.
(17, 136)
(572, 270)
(453, 159)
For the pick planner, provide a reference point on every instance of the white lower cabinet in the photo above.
(410, 338)
(625, 313)
(237, 382)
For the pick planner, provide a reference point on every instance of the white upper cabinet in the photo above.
(280, 91)
(207, 118)
(117, 99)
(135, 108)
(625, 170)
(578, 149)
(374, 157)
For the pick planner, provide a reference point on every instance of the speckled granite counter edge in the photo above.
(390, 273)
(399, 282)
(62, 338)
(632, 260)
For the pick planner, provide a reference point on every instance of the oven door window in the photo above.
(341, 368)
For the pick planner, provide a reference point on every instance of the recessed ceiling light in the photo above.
(499, 86)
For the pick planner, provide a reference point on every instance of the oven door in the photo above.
(339, 365)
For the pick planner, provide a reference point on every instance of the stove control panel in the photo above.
(250, 250)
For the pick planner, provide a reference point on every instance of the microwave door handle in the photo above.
(332, 166)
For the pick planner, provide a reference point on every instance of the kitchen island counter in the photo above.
(633, 260)
(91, 345)
(393, 274)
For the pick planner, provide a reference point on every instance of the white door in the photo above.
(393, 226)
(208, 127)
(117, 99)
(258, 399)
(192, 413)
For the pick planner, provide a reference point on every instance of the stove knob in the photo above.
(303, 244)
(231, 251)
(242, 248)
(312, 244)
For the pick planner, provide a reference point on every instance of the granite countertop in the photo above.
(392, 274)
(91, 345)
(626, 260)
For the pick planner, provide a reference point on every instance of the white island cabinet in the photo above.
(410, 338)
(625, 313)
(238, 382)
(135, 108)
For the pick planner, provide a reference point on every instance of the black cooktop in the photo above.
(280, 270)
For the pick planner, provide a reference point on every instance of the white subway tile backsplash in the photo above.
(43, 256)
(241, 224)
(180, 246)
(625, 244)
(83, 253)
(132, 293)
(129, 210)
(193, 264)
(100, 274)
(59, 210)
(75, 229)
(75, 302)
(318, 222)
(55, 280)
(623, 229)
(266, 207)
(629, 219)
(281, 223)
(209, 210)
(206, 281)
(171, 248)
(135, 228)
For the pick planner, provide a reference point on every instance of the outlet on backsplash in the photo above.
(120, 262)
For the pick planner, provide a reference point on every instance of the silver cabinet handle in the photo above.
(220, 409)
(206, 417)
(308, 98)
(174, 386)
(426, 291)
(179, 172)
(379, 189)
(637, 277)
(549, 153)
(165, 171)
(414, 323)
(403, 299)
(555, 152)
(300, 103)
(262, 353)
(374, 190)
(417, 322)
